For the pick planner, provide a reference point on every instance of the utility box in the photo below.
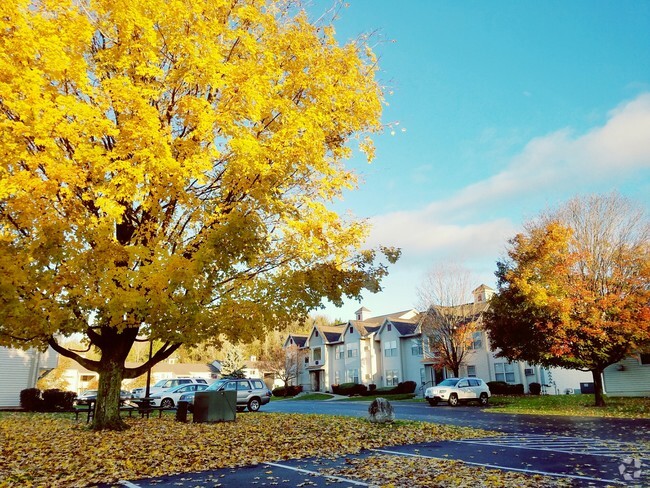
(587, 388)
(215, 406)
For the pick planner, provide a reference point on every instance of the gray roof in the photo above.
(405, 328)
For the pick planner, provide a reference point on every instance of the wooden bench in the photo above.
(143, 411)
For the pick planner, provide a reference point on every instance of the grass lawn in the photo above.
(575, 405)
(53, 450)
(369, 398)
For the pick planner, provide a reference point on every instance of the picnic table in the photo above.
(144, 406)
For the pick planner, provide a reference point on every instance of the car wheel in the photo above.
(433, 402)
(254, 404)
(483, 399)
(167, 403)
(453, 400)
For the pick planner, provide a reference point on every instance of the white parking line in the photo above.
(128, 484)
(316, 473)
(567, 445)
(504, 468)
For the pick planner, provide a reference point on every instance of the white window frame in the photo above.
(471, 370)
(353, 350)
(320, 354)
(339, 352)
(390, 349)
(391, 377)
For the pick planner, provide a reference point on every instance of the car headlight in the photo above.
(442, 391)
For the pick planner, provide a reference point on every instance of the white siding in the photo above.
(632, 379)
(19, 371)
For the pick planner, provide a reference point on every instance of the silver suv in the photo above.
(458, 390)
(166, 384)
(252, 393)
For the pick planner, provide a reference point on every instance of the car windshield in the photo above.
(216, 385)
(449, 382)
(159, 383)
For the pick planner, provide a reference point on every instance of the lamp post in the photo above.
(146, 392)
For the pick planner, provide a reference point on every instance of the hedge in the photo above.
(535, 388)
(284, 391)
(35, 400)
(503, 388)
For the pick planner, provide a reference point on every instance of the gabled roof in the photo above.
(298, 339)
(404, 327)
(482, 287)
(330, 333)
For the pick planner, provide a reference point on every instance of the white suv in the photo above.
(458, 390)
(165, 384)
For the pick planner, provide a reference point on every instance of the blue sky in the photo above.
(505, 108)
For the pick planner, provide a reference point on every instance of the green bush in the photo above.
(31, 400)
(349, 389)
(503, 388)
(52, 400)
(284, 391)
(55, 399)
(535, 388)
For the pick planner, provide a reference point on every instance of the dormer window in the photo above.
(316, 333)
(351, 330)
(389, 328)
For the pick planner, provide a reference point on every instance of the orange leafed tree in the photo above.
(575, 291)
(167, 169)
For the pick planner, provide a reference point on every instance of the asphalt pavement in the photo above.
(588, 451)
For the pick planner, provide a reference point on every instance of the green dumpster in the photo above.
(215, 406)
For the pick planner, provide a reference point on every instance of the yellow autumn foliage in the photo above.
(168, 167)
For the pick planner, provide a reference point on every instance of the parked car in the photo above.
(166, 384)
(169, 398)
(458, 390)
(92, 395)
(252, 393)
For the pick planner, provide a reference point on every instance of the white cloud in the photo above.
(476, 222)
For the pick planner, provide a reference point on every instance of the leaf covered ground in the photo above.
(411, 472)
(51, 450)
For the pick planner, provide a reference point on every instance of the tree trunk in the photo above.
(597, 374)
(107, 408)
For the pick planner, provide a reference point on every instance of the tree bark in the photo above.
(597, 374)
(107, 407)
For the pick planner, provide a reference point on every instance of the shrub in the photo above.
(55, 399)
(349, 389)
(407, 387)
(31, 400)
(503, 388)
(291, 390)
(535, 388)
(372, 387)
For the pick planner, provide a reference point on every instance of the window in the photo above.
(474, 382)
(389, 328)
(504, 372)
(423, 376)
(471, 370)
(317, 354)
(243, 385)
(339, 352)
(416, 347)
(351, 330)
(352, 376)
(392, 378)
(390, 349)
(353, 350)
(232, 385)
(306, 360)
(258, 384)
(463, 384)
(477, 340)
(644, 358)
(337, 377)
(316, 333)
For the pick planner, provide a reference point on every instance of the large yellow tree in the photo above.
(166, 171)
